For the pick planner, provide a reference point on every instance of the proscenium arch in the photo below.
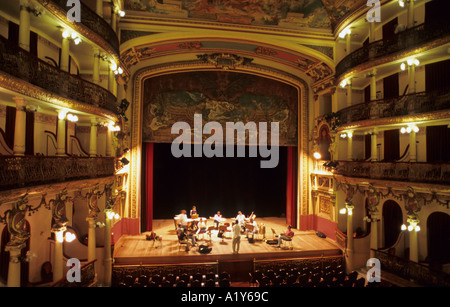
(134, 197)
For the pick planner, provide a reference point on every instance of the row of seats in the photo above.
(198, 279)
(315, 276)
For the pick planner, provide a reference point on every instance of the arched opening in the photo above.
(438, 230)
(392, 221)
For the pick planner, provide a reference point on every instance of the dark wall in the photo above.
(217, 184)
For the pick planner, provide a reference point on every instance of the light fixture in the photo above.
(317, 155)
(403, 66)
(62, 115)
(410, 228)
(343, 83)
(350, 135)
(121, 13)
(113, 66)
(74, 35)
(345, 32)
(401, 3)
(343, 135)
(343, 211)
(72, 118)
(403, 130)
(68, 236)
(410, 128)
(77, 41)
(65, 34)
(112, 215)
(403, 228)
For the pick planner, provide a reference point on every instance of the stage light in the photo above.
(317, 155)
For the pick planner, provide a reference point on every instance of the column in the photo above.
(412, 79)
(107, 252)
(61, 135)
(350, 146)
(93, 139)
(91, 239)
(20, 127)
(348, 43)
(373, 233)
(413, 242)
(410, 14)
(334, 101)
(58, 255)
(374, 149)
(24, 26)
(113, 18)
(108, 151)
(99, 8)
(373, 86)
(349, 265)
(14, 265)
(96, 69)
(65, 49)
(371, 32)
(349, 94)
(412, 146)
(111, 80)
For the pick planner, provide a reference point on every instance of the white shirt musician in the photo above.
(241, 219)
(218, 218)
(182, 219)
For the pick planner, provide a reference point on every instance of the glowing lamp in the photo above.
(317, 155)
(65, 34)
(343, 211)
(403, 227)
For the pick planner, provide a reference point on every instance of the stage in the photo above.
(136, 250)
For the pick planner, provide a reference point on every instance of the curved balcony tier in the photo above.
(92, 26)
(432, 173)
(58, 87)
(409, 42)
(25, 171)
(411, 105)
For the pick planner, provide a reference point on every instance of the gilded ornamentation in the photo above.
(59, 211)
(17, 224)
(224, 60)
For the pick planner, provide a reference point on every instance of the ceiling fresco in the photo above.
(290, 14)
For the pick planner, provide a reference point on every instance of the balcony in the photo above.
(19, 63)
(434, 173)
(406, 41)
(19, 171)
(411, 104)
(89, 19)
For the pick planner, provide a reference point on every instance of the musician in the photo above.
(217, 219)
(241, 220)
(201, 227)
(182, 219)
(286, 236)
(255, 228)
(193, 211)
(236, 236)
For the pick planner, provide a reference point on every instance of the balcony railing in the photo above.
(403, 41)
(436, 173)
(21, 64)
(94, 22)
(24, 171)
(410, 104)
(404, 268)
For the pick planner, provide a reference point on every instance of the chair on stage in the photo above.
(287, 243)
(183, 242)
(224, 229)
(209, 231)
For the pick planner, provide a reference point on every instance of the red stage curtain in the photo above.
(147, 204)
(291, 187)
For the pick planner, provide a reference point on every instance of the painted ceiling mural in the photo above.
(292, 14)
(219, 96)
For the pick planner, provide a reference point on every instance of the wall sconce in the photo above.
(345, 32)
(317, 155)
(409, 62)
(408, 129)
(72, 118)
(68, 236)
(112, 215)
(116, 69)
(113, 127)
(347, 209)
(121, 13)
(343, 83)
(74, 36)
(413, 225)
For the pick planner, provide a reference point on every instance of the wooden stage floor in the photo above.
(136, 250)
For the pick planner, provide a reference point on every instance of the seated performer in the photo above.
(255, 228)
(193, 211)
(286, 236)
(217, 219)
(182, 219)
(201, 227)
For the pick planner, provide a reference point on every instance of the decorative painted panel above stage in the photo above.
(219, 96)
